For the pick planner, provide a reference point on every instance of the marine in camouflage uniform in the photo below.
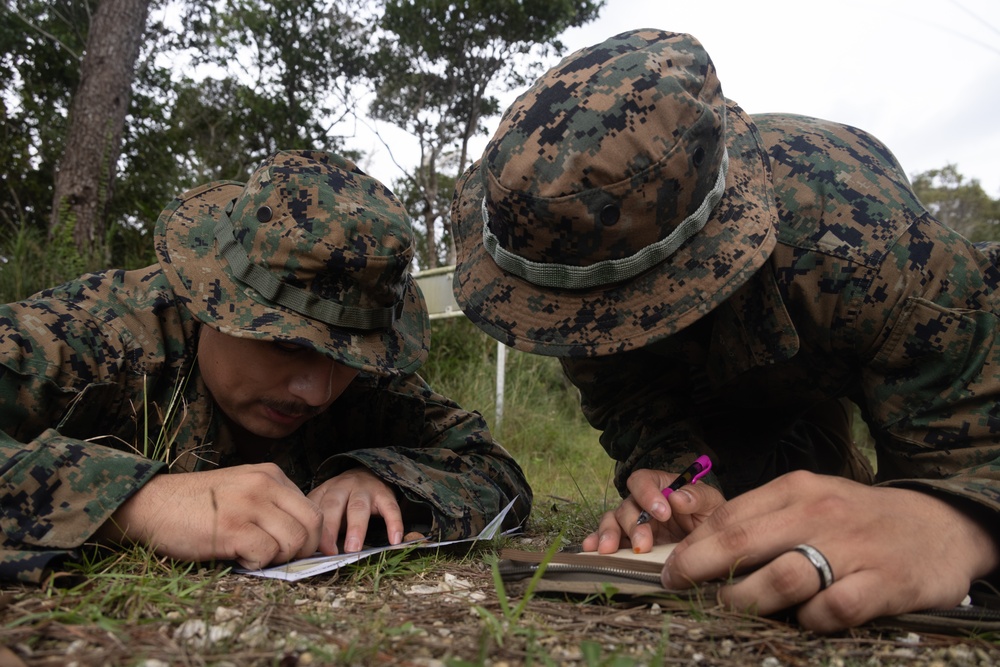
(101, 388)
(719, 283)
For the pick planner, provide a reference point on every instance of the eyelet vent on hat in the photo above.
(698, 157)
(610, 215)
(264, 214)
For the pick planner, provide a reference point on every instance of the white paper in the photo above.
(309, 567)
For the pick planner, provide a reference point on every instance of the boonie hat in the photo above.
(621, 198)
(310, 251)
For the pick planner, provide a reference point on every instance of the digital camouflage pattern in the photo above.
(78, 361)
(84, 367)
(611, 163)
(311, 251)
(864, 297)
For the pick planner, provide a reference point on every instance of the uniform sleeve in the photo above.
(638, 404)
(932, 381)
(55, 491)
(441, 458)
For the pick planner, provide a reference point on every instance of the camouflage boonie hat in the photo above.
(618, 201)
(311, 251)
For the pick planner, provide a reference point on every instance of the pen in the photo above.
(694, 472)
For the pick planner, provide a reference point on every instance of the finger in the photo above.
(733, 548)
(690, 505)
(306, 525)
(387, 507)
(591, 541)
(769, 499)
(330, 505)
(359, 512)
(295, 528)
(333, 513)
(610, 537)
(253, 548)
(296, 522)
(695, 499)
(786, 581)
(646, 491)
(848, 603)
(639, 535)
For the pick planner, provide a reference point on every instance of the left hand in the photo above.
(356, 496)
(671, 519)
(891, 551)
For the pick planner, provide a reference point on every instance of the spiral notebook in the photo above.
(587, 572)
(631, 577)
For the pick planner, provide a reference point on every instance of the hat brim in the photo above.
(735, 243)
(203, 282)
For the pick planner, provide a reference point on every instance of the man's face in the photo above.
(269, 388)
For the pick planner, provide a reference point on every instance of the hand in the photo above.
(357, 495)
(672, 518)
(252, 514)
(891, 550)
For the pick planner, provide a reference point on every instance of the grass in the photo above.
(542, 425)
(135, 608)
(427, 610)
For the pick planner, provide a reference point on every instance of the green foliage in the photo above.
(499, 627)
(395, 563)
(40, 46)
(960, 203)
(436, 70)
(25, 268)
(542, 424)
(128, 587)
(289, 70)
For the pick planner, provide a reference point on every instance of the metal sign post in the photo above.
(436, 287)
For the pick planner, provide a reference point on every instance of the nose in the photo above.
(318, 380)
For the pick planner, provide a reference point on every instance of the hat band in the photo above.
(301, 301)
(609, 271)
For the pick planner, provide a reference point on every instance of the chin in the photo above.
(272, 430)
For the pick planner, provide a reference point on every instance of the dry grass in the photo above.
(436, 610)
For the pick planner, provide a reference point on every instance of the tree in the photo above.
(209, 98)
(958, 203)
(436, 65)
(41, 45)
(85, 176)
(288, 72)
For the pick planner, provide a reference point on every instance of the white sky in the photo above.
(921, 75)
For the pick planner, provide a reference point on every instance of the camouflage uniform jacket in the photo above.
(865, 297)
(78, 439)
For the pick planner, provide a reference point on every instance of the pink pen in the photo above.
(694, 472)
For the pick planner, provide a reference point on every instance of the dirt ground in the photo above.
(432, 611)
(420, 610)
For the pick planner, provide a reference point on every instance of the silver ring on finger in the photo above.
(820, 562)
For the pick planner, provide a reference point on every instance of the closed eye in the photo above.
(288, 348)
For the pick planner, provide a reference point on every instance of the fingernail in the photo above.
(659, 510)
(397, 537)
(352, 544)
(604, 537)
(687, 495)
(665, 574)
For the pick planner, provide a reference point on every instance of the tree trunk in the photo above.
(84, 179)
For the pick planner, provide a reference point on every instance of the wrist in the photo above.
(126, 524)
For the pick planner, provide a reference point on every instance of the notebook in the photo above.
(588, 572)
(625, 576)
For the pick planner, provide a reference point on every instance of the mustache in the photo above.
(293, 408)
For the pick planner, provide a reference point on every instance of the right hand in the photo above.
(252, 514)
(672, 518)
